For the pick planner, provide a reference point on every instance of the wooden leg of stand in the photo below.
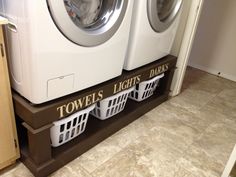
(39, 144)
(166, 82)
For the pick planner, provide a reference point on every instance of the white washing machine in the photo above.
(153, 28)
(57, 47)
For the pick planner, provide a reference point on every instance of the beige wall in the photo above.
(214, 47)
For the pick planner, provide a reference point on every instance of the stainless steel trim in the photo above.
(88, 37)
(156, 23)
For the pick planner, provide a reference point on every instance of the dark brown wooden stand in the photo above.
(34, 121)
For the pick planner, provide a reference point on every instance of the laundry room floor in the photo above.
(190, 135)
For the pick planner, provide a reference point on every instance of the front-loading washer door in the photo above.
(88, 22)
(162, 13)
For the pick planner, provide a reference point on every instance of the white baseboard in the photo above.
(213, 71)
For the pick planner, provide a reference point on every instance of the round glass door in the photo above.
(88, 22)
(162, 13)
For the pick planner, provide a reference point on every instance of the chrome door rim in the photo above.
(156, 23)
(86, 37)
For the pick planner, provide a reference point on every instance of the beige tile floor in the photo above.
(191, 135)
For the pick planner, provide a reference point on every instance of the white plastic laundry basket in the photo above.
(111, 105)
(68, 128)
(145, 89)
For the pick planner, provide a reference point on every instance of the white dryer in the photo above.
(153, 28)
(57, 47)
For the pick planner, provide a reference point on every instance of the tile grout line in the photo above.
(121, 149)
(210, 100)
(82, 168)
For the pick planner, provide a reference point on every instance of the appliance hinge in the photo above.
(2, 50)
(15, 142)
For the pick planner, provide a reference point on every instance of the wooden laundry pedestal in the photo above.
(34, 121)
